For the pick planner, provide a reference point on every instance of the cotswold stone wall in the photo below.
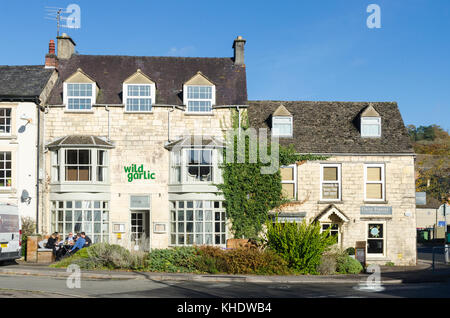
(400, 227)
(139, 139)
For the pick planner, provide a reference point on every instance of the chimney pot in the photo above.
(51, 60)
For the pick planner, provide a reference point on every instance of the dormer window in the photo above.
(370, 123)
(79, 96)
(138, 93)
(199, 94)
(79, 92)
(282, 122)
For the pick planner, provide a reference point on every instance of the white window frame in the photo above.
(363, 119)
(5, 117)
(294, 168)
(92, 97)
(175, 208)
(104, 223)
(151, 97)
(339, 181)
(4, 161)
(183, 166)
(383, 182)
(61, 166)
(275, 132)
(330, 224)
(376, 255)
(187, 100)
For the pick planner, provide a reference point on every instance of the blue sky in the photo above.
(296, 50)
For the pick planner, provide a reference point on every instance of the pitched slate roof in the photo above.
(333, 127)
(25, 81)
(169, 74)
(80, 140)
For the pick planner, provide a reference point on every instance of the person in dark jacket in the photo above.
(52, 242)
(87, 239)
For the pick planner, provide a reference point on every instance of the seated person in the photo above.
(79, 244)
(52, 241)
(87, 238)
(70, 239)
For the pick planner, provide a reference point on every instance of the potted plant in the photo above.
(351, 252)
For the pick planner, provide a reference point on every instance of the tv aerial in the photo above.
(72, 21)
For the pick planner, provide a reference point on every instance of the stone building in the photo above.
(22, 90)
(125, 162)
(365, 190)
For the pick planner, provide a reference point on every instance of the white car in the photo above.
(10, 233)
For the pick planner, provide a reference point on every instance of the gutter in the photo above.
(356, 154)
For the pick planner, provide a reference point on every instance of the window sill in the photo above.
(90, 111)
(128, 112)
(330, 201)
(375, 202)
(6, 137)
(7, 190)
(198, 114)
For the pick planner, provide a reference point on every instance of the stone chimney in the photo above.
(238, 47)
(51, 61)
(66, 47)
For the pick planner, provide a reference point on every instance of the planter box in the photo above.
(239, 243)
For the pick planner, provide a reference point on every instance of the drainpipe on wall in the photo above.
(37, 101)
(107, 109)
(168, 123)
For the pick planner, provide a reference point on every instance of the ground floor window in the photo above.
(375, 238)
(91, 217)
(197, 222)
(334, 231)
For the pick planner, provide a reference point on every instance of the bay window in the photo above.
(79, 165)
(194, 165)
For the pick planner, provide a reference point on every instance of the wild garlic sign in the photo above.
(135, 172)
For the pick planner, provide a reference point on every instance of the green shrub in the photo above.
(300, 244)
(174, 260)
(105, 256)
(390, 264)
(28, 228)
(241, 261)
(348, 265)
(350, 251)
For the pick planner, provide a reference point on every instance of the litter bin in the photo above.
(425, 235)
(448, 238)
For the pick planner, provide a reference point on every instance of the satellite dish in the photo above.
(25, 197)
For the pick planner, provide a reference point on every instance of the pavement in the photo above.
(422, 273)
